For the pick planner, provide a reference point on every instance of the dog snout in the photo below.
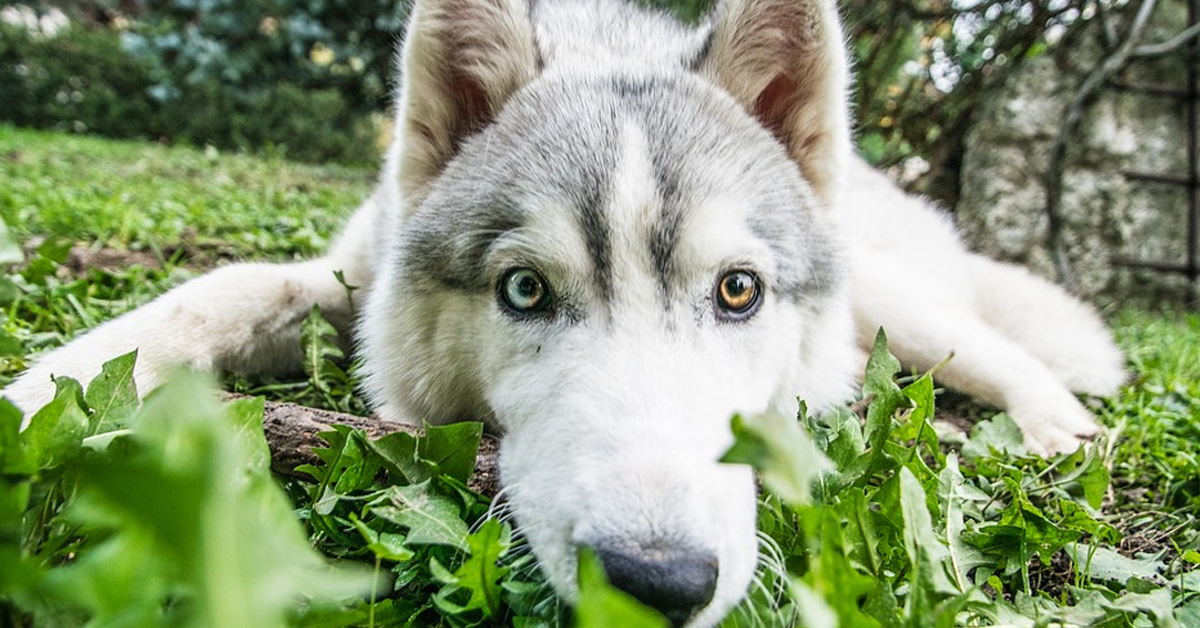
(677, 582)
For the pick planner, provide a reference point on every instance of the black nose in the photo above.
(677, 582)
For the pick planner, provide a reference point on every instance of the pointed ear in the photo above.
(785, 62)
(461, 61)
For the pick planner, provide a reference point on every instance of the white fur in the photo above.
(613, 420)
(1019, 343)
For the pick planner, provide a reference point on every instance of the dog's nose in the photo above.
(676, 582)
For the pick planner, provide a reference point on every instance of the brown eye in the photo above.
(738, 295)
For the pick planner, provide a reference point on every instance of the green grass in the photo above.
(165, 515)
(1156, 463)
(183, 209)
(132, 195)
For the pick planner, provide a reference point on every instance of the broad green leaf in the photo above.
(246, 416)
(928, 554)
(963, 556)
(431, 519)
(781, 451)
(997, 435)
(444, 449)
(14, 459)
(1004, 544)
(117, 581)
(1086, 467)
(385, 545)
(835, 587)
(1157, 604)
(10, 250)
(348, 462)
(814, 612)
(886, 400)
(479, 577)
(1100, 563)
(452, 449)
(55, 249)
(1074, 517)
(862, 537)
(1042, 536)
(112, 395)
(1188, 614)
(57, 430)
(9, 345)
(839, 434)
(917, 428)
(210, 519)
(602, 606)
(398, 453)
(318, 337)
(882, 367)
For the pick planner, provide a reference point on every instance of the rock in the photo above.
(1107, 216)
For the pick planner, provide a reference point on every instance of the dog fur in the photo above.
(632, 163)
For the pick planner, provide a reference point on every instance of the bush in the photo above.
(83, 80)
(80, 80)
(287, 120)
(247, 46)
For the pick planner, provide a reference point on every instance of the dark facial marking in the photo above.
(453, 255)
(701, 55)
(591, 201)
(667, 228)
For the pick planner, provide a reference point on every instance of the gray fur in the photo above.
(559, 137)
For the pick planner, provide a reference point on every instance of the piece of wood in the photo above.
(292, 432)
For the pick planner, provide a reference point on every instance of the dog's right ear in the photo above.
(785, 62)
(461, 61)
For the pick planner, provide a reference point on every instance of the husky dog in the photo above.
(605, 232)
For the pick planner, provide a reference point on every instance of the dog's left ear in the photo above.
(461, 61)
(785, 62)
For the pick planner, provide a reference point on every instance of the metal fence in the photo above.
(1190, 180)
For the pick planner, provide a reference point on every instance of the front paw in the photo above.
(1055, 424)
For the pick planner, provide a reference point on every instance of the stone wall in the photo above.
(1106, 216)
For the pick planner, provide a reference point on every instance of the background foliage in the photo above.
(304, 75)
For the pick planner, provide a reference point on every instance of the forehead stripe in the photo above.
(592, 223)
(666, 231)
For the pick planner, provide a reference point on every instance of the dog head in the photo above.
(608, 234)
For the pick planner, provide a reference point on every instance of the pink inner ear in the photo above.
(474, 109)
(777, 100)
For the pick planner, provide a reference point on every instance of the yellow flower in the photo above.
(321, 54)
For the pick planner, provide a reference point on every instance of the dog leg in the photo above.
(1063, 332)
(986, 364)
(243, 317)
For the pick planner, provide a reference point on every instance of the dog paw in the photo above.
(1054, 427)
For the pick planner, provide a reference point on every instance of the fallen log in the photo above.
(292, 433)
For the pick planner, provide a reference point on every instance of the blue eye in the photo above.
(524, 290)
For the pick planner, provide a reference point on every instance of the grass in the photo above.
(1156, 468)
(903, 531)
(172, 211)
(136, 196)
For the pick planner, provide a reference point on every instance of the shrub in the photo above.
(79, 80)
(83, 80)
(248, 46)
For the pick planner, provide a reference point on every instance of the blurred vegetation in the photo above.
(220, 73)
(922, 65)
(303, 76)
